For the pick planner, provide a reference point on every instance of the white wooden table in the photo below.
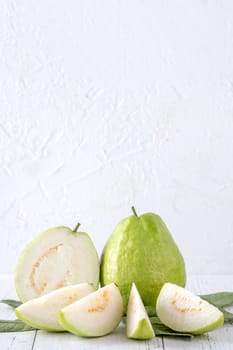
(221, 339)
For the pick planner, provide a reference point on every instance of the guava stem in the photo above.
(134, 211)
(76, 227)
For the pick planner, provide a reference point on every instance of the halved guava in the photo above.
(54, 259)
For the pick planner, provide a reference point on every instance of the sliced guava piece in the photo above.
(185, 312)
(54, 259)
(95, 315)
(42, 312)
(138, 325)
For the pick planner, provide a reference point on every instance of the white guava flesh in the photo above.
(95, 315)
(42, 312)
(138, 325)
(185, 312)
(54, 259)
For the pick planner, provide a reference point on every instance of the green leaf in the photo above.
(155, 320)
(162, 330)
(150, 310)
(219, 299)
(12, 303)
(228, 316)
(14, 326)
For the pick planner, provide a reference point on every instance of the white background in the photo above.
(106, 104)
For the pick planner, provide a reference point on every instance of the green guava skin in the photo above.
(209, 327)
(36, 325)
(142, 250)
(71, 328)
(143, 331)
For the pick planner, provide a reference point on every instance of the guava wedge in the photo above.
(141, 250)
(54, 259)
(138, 325)
(95, 315)
(42, 312)
(185, 312)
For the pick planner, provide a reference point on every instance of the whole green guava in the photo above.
(141, 250)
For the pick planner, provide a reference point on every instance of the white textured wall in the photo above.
(105, 104)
